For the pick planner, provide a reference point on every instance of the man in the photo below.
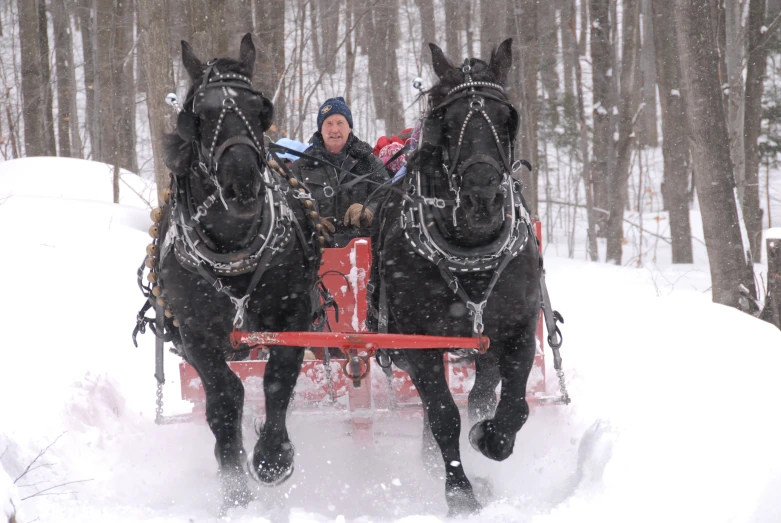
(343, 207)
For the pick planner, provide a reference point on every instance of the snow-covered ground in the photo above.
(674, 414)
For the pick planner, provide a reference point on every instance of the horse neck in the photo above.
(228, 231)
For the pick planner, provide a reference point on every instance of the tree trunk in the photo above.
(675, 146)
(601, 77)
(64, 61)
(87, 21)
(548, 45)
(394, 110)
(735, 56)
(46, 80)
(568, 56)
(106, 147)
(350, 48)
(125, 86)
(491, 27)
(617, 188)
(451, 30)
(271, 62)
(648, 62)
(158, 71)
(575, 50)
(710, 149)
(526, 32)
(427, 27)
(755, 75)
(382, 25)
(32, 110)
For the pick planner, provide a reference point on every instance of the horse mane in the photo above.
(177, 153)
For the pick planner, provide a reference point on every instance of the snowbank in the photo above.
(673, 415)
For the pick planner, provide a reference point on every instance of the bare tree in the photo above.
(576, 50)
(526, 73)
(617, 186)
(649, 77)
(382, 25)
(709, 140)
(46, 80)
(427, 25)
(601, 77)
(153, 32)
(271, 63)
(87, 22)
(675, 146)
(752, 121)
(32, 111)
(67, 109)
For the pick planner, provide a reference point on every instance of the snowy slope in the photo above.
(674, 413)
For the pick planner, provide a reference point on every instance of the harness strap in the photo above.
(475, 308)
(239, 303)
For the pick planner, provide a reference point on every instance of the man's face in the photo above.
(335, 131)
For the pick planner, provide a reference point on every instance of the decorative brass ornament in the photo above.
(156, 214)
(151, 277)
(176, 322)
(166, 195)
(154, 231)
(161, 301)
(157, 291)
(169, 313)
(293, 182)
(151, 249)
(150, 262)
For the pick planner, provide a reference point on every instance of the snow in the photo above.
(674, 413)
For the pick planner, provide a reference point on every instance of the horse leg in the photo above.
(482, 397)
(495, 437)
(427, 372)
(224, 405)
(273, 457)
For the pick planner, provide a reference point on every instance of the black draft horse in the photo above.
(235, 250)
(458, 257)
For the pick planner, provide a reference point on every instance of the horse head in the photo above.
(472, 126)
(223, 119)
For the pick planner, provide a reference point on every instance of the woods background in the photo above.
(629, 107)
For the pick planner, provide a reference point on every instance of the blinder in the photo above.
(187, 125)
(432, 131)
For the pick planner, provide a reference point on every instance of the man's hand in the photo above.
(328, 223)
(353, 216)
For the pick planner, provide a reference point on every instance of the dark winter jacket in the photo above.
(357, 158)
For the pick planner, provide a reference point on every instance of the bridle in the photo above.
(187, 125)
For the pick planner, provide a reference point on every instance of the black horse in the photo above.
(458, 257)
(235, 250)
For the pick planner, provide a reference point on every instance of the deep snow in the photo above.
(674, 413)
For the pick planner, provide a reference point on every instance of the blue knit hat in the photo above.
(334, 106)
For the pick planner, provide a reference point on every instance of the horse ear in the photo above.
(247, 55)
(266, 114)
(192, 65)
(501, 61)
(440, 62)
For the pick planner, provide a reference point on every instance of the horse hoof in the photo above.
(476, 435)
(274, 473)
(462, 502)
(487, 441)
(235, 492)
